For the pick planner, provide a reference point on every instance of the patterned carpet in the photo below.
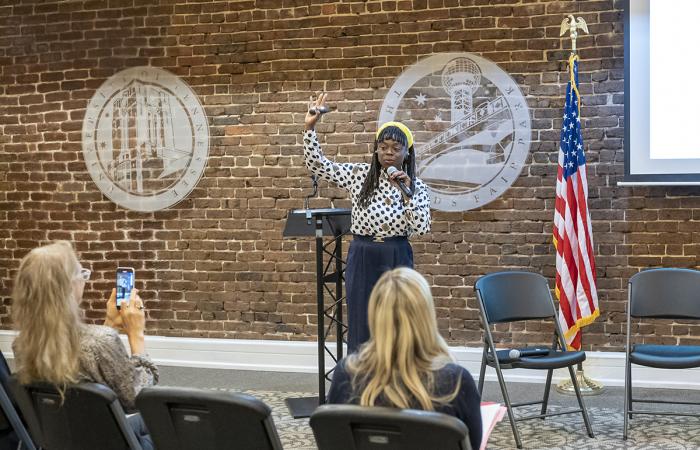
(556, 433)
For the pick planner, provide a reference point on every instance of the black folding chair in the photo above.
(10, 416)
(352, 427)
(89, 417)
(514, 296)
(660, 294)
(194, 419)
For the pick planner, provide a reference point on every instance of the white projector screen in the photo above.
(662, 127)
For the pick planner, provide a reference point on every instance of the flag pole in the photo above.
(587, 386)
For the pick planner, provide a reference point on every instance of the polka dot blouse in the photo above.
(386, 215)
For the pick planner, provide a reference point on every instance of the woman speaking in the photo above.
(389, 204)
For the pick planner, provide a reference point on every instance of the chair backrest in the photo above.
(193, 419)
(665, 294)
(10, 416)
(89, 417)
(4, 371)
(4, 380)
(352, 427)
(511, 296)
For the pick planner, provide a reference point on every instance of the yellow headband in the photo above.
(400, 126)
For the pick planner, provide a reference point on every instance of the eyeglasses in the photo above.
(84, 274)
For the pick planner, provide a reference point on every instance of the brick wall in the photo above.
(216, 265)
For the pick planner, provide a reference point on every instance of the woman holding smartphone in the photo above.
(55, 346)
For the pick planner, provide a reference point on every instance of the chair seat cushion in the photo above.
(666, 356)
(553, 360)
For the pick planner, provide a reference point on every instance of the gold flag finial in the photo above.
(573, 25)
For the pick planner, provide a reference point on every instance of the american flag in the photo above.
(576, 279)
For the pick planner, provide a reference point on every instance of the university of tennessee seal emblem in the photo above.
(471, 126)
(145, 139)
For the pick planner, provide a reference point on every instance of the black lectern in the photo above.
(333, 223)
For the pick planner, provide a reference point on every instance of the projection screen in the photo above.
(662, 130)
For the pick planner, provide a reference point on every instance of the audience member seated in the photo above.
(406, 363)
(55, 346)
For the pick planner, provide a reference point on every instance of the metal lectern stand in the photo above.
(334, 223)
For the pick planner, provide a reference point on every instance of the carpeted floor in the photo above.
(565, 432)
(559, 432)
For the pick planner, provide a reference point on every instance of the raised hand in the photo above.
(311, 119)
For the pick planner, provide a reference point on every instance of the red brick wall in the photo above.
(216, 265)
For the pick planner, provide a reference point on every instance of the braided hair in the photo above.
(372, 181)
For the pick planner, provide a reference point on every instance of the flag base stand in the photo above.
(585, 384)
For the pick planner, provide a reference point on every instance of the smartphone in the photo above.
(125, 283)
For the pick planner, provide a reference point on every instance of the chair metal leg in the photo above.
(482, 373)
(581, 403)
(547, 388)
(628, 380)
(506, 400)
(628, 399)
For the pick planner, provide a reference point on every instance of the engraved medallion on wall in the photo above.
(145, 139)
(471, 126)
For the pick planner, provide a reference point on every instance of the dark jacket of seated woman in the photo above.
(406, 363)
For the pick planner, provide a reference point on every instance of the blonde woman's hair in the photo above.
(398, 363)
(46, 313)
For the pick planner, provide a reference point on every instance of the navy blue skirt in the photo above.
(368, 259)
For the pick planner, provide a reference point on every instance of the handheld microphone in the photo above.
(517, 354)
(319, 110)
(406, 190)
